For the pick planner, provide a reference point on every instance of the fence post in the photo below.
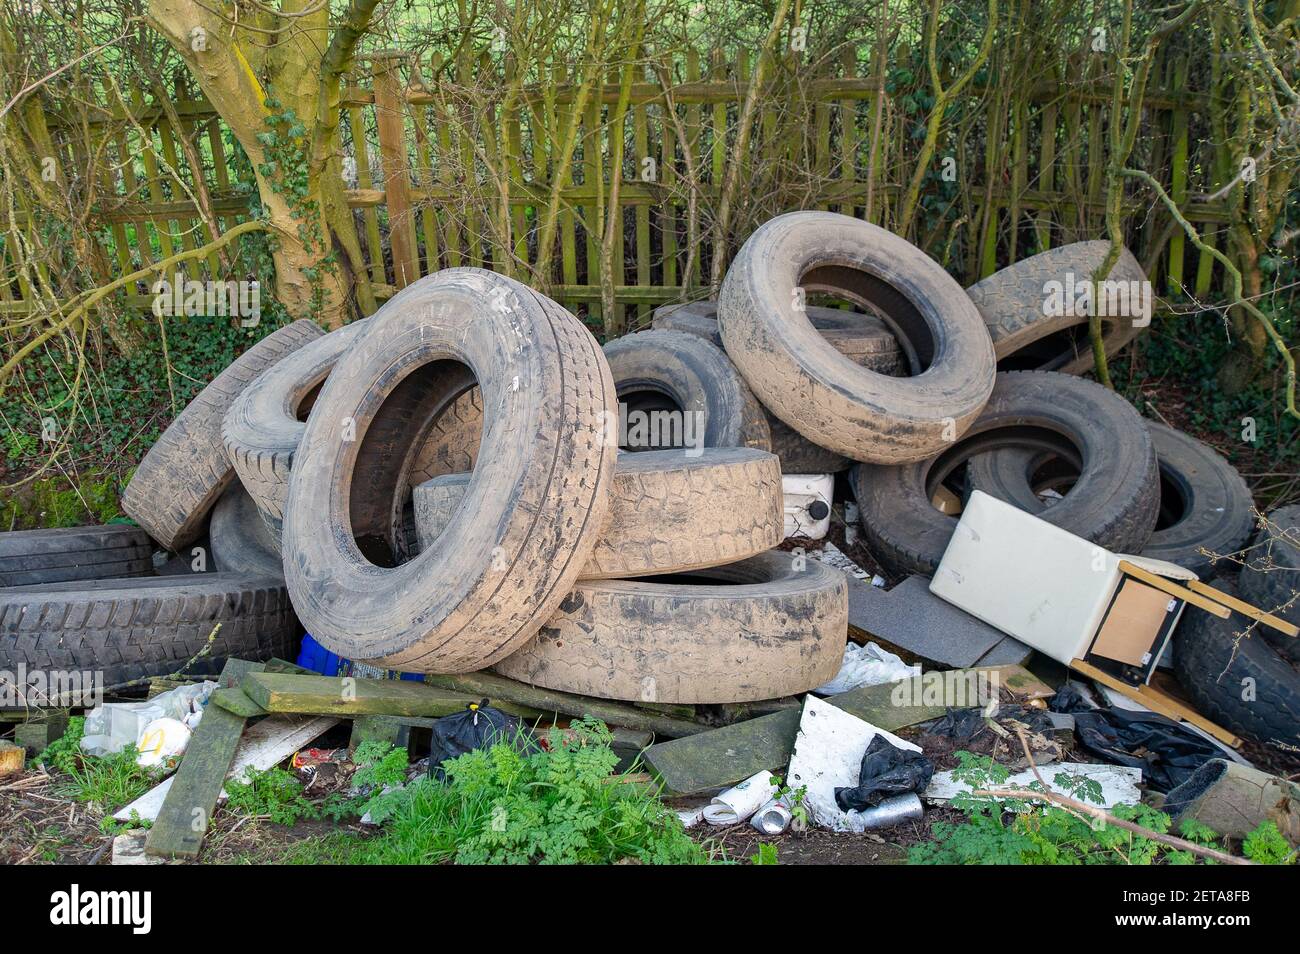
(389, 116)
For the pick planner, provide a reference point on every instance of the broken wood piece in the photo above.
(1157, 701)
(349, 695)
(263, 746)
(1174, 589)
(12, 758)
(187, 808)
(498, 688)
(233, 699)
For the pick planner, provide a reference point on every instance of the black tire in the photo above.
(263, 426)
(1024, 338)
(1214, 665)
(30, 557)
(863, 339)
(535, 505)
(1116, 502)
(1271, 577)
(828, 399)
(798, 455)
(679, 373)
(762, 628)
(181, 477)
(668, 513)
(241, 541)
(131, 629)
(1204, 503)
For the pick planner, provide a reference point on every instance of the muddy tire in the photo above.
(863, 339)
(758, 629)
(241, 542)
(828, 399)
(1271, 577)
(1115, 502)
(798, 455)
(1214, 667)
(31, 557)
(678, 373)
(263, 427)
(533, 510)
(179, 480)
(668, 513)
(1024, 339)
(1204, 503)
(151, 626)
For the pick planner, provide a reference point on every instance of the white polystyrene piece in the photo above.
(828, 755)
(1031, 579)
(1119, 783)
(801, 491)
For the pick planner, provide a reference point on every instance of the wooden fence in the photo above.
(424, 189)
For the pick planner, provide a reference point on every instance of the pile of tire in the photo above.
(467, 479)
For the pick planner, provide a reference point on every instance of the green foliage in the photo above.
(274, 794)
(1266, 846)
(766, 855)
(1038, 834)
(378, 764)
(108, 781)
(514, 804)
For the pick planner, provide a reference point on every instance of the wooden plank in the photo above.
(497, 688)
(694, 129)
(187, 808)
(713, 760)
(1173, 589)
(468, 165)
(265, 745)
(1046, 173)
(369, 217)
(592, 165)
(390, 121)
(1157, 702)
(641, 145)
(329, 695)
(849, 136)
(1244, 608)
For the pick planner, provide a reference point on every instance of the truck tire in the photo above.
(863, 339)
(804, 381)
(668, 513)
(685, 376)
(535, 505)
(181, 477)
(1204, 503)
(262, 429)
(798, 455)
(1115, 504)
(1214, 666)
(758, 629)
(151, 626)
(241, 542)
(1271, 577)
(31, 557)
(1011, 301)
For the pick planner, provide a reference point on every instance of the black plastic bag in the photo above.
(1166, 752)
(478, 727)
(886, 773)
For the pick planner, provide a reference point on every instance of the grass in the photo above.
(108, 781)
